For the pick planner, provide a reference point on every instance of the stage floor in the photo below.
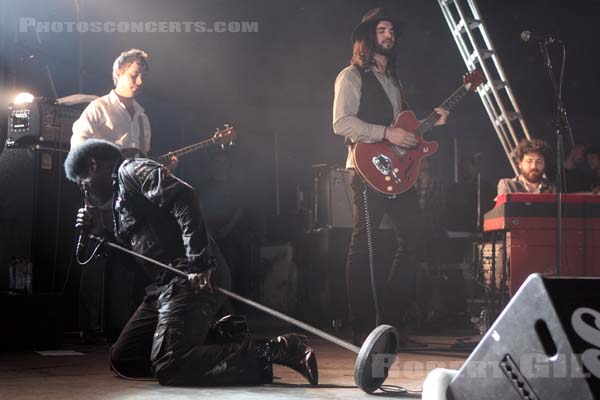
(29, 375)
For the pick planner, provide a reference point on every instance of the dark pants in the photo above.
(167, 338)
(394, 284)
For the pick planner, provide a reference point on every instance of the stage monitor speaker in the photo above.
(544, 345)
(37, 214)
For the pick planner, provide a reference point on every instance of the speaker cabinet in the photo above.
(279, 277)
(544, 345)
(32, 321)
(322, 257)
(37, 213)
(332, 197)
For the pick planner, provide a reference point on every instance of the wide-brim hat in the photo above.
(373, 17)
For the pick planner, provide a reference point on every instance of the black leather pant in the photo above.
(394, 285)
(167, 338)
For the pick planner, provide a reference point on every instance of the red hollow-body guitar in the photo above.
(392, 170)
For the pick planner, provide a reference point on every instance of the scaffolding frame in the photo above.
(477, 50)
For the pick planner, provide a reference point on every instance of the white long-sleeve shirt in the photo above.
(107, 118)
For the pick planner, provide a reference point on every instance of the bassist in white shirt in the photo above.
(117, 117)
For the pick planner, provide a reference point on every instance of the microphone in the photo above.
(527, 36)
(81, 240)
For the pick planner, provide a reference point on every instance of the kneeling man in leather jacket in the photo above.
(171, 336)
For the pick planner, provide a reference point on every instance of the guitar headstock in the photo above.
(225, 137)
(473, 79)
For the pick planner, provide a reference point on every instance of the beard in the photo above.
(384, 51)
(533, 176)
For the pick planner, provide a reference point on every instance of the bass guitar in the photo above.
(222, 137)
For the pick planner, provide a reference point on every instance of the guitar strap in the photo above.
(142, 134)
(405, 105)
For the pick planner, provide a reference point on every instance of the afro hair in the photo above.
(77, 161)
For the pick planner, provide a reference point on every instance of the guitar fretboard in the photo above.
(450, 102)
(185, 150)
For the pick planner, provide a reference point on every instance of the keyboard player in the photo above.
(532, 155)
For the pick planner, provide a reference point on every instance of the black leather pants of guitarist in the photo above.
(395, 283)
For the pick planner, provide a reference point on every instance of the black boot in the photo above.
(293, 351)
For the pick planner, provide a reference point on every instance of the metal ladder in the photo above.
(476, 48)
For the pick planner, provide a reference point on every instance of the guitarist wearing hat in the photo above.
(367, 99)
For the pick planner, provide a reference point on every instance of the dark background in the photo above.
(276, 85)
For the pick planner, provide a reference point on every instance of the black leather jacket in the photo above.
(158, 215)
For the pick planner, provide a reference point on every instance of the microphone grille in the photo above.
(525, 36)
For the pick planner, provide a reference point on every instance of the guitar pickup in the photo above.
(383, 164)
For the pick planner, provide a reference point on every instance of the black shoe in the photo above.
(293, 351)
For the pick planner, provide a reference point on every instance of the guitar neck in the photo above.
(185, 150)
(434, 117)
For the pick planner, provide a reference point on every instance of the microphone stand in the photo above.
(477, 162)
(562, 125)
